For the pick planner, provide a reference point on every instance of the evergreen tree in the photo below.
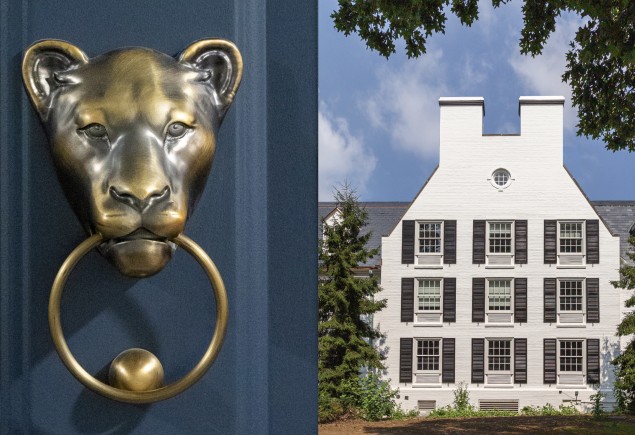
(345, 302)
(624, 386)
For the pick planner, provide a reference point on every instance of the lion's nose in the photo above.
(140, 204)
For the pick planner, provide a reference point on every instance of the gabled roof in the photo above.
(619, 216)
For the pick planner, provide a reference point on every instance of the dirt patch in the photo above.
(485, 425)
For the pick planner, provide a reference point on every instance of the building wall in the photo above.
(461, 190)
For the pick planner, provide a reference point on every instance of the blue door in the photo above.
(256, 219)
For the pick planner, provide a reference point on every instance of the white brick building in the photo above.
(497, 274)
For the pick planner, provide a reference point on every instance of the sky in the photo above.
(379, 119)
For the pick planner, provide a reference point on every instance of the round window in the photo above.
(501, 178)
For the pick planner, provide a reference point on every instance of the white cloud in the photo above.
(543, 74)
(342, 156)
(405, 104)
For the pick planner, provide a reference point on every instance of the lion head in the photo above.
(133, 135)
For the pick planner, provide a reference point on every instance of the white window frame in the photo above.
(431, 377)
(429, 259)
(500, 259)
(573, 258)
(563, 320)
(488, 311)
(562, 380)
(503, 373)
(435, 316)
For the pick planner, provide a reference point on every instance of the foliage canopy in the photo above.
(600, 61)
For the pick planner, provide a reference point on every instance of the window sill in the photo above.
(427, 385)
(427, 324)
(433, 266)
(577, 266)
(498, 386)
(574, 325)
(573, 386)
(500, 266)
(499, 325)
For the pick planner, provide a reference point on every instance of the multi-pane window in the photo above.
(428, 355)
(571, 237)
(429, 237)
(499, 355)
(499, 295)
(500, 237)
(571, 295)
(429, 295)
(501, 178)
(571, 356)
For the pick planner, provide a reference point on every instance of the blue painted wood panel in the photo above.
(256, 220)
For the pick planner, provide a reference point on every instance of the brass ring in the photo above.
(138, 396)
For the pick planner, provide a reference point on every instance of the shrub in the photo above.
(371, 397)
(548, 409)
(462, 397)
(329, 408)
(596, 410)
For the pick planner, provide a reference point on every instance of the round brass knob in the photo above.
(136, 370)
(136, 375)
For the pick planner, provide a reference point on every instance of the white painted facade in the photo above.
(461, 189)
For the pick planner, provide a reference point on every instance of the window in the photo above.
(429, 237)
(428, 356)
(499, 356)
(571, 301)
(500, 244)
(501, 178)
(500, 237)
(571, 356)
(571, 238)
(428, 301)
(428, 361)
(429, 241)
(499, 301)
(429, 295)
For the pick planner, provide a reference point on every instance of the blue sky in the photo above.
(379, 119)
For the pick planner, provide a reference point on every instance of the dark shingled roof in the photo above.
(620, 217)
(384, 216)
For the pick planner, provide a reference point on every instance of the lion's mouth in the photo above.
(139, 235)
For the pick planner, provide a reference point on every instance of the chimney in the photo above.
(461, 123)
(541, 121)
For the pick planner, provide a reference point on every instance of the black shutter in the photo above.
(593, 361)
(550, 301)
(551, 241)
(447, 358)
(549, 361)
(449, 299)
(593, 241)
(520, 236)
(478, 243)
(520, 300)
(449, 242)
(478, 360)
(407, 299)
(408, 242)
(592, 300)
(478, 300)
(520, 360)
(405, 360)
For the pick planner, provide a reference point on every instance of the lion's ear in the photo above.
(42, 66)
(224, 65)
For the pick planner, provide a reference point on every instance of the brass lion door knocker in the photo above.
(133, 135)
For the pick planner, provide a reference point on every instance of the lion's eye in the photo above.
(95, 131)
(176, 130)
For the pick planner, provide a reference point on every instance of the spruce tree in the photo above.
(624, 386)
(345, 302)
